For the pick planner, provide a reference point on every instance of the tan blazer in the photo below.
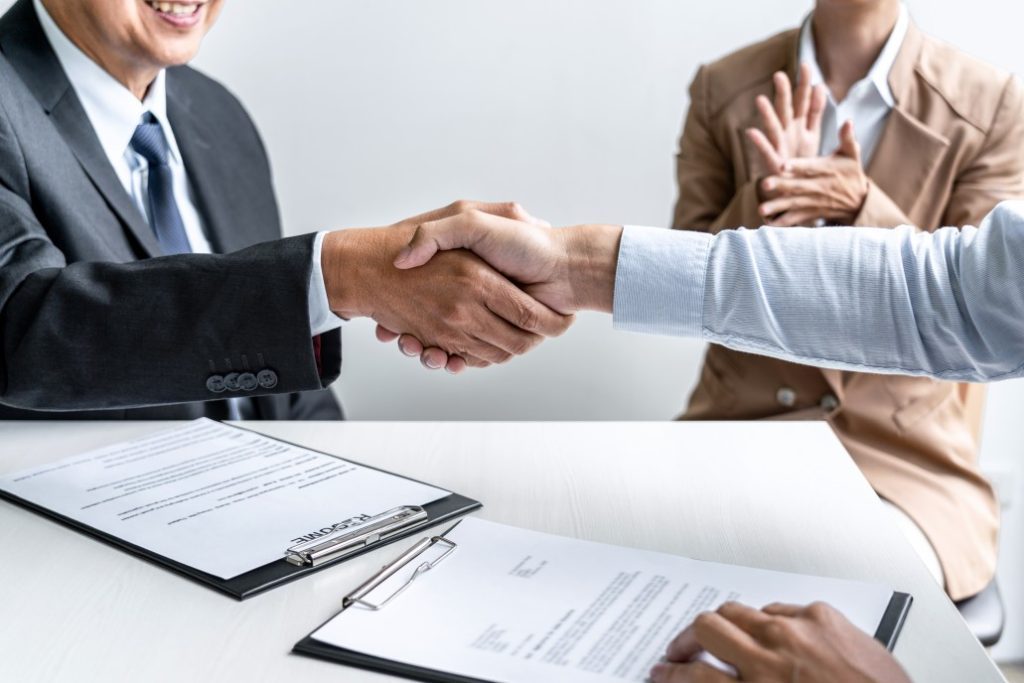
(952, 148)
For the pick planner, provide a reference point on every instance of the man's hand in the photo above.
(779, 644)
(568, 269)
(792, 128)
(456, 303)
(833, 188)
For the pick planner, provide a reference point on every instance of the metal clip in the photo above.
(353, 538)
(389, 570)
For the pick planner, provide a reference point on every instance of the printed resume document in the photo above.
(217, 498)
(510, 605)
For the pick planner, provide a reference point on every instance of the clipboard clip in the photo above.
(358, 596)
(355, 537)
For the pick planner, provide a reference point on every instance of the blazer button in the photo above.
(247, 381)
(786, 397)
(215, 383)
(231, 381)
(267, 378)
(829, 403)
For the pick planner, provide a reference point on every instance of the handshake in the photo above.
(471, 284)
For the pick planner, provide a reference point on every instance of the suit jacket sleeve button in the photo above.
(247, 381)
(215, 383)
(267, 379)
(231, 381)
(786, 397)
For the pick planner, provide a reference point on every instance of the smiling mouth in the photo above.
(175, 9)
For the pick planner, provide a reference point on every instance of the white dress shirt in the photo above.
(115, 112)
(948, 304)
(868, 102)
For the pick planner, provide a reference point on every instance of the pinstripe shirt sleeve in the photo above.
(948, 304)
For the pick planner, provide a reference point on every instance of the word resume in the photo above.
(218, 498)
(511, 605)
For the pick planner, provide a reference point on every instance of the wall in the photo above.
(373, 111)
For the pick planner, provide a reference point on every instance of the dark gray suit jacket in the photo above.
(92, 318)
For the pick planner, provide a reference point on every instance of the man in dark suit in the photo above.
(142, 270)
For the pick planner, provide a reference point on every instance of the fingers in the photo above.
(772, 160)
(746, 618)
(526, 314)
(783, 98)
(410, 345)
(456, 232)
(784, 186)
(456, 365)
(385, 335)
(684, 646)
(433, 358)
(697, 672)
(781, 609)
(504, 209)
(770, 120)
(805, 218)
(774, 207)
(848, 145)
(816, 108)
(807, 167)
(802, 99)
(716, 634)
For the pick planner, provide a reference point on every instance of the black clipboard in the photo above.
(887, 633)
(276, 573)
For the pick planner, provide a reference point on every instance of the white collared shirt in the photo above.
(947, 304)
(868, 102)
(115, 112)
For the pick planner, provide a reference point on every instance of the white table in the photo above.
(777, 495)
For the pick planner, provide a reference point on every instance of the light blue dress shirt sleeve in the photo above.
(321, 318)
(948, 304)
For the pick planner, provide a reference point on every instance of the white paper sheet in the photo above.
(221, 499)
(511, 606)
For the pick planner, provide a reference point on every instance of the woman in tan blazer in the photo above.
(941, 141)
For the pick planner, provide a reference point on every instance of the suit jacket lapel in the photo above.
(73, 124)
(905, 137)
(206, 169)
(26, 48)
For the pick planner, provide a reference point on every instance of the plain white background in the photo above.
(373, 111)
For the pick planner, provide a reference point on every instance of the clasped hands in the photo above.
(505, 280)
(798, 186)
(504, 283)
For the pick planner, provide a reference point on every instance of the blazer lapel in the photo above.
(206, 168)
(905, 137)
(27, 49)
(73, 124)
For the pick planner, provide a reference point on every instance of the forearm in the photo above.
(949, 305)
(110, 335)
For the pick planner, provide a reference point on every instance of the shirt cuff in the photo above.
(659, 281)
(321, 318)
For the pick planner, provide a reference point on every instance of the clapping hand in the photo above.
(792, 127)
(800, 187)
(832, 188)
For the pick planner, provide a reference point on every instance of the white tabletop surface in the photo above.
(776, 495)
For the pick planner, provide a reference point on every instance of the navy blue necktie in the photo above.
(164, 217)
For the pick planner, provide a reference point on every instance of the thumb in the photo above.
(848, 145)
(456, 232)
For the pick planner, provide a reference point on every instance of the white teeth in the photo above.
(176, 8)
